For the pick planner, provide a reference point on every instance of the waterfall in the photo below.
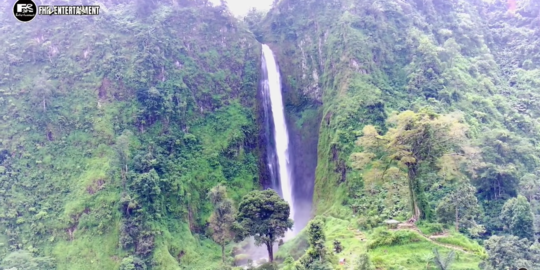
(278, 146)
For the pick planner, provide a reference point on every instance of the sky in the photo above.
(241, 7)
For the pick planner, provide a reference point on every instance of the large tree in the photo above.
(317, 254)
(510, 252)
(460, 206)
(517, 217)
(265, 216)
(223, 217)
(417, 144)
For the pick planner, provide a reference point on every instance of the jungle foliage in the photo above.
(264, 216)
(368, 62)
(115, 127)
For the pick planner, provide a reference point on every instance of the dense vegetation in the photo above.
(474, 63)
(130, 140)
(114, 129)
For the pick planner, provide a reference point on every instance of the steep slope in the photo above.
(115, 127)
(364, 60)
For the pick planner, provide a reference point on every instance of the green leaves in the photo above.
(23, 260)
(518, 217)
(507, 252)
(443, 262)
(265, 216)
(221, 221)
(414, 144)
(459, 206)
(317, 256)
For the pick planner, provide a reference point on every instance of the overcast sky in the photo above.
(241, 7)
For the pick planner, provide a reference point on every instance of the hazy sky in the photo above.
(241, 7)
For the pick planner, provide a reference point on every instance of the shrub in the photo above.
(383, 237)
(430, 228)
(268, 266)
(464, 242)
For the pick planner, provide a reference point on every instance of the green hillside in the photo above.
(115, 127)
(368, 60)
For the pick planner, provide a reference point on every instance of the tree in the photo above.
(529, 185)
(518, 217)
(223, 6)
(42, 91)
(23, 260)
(265, 216)
(320, 265)
(122, 150)
(416, 143)
(253, 21)
(223, 217)
(509, 252)
(443, 263)
(132, 263)
(288, 264)
(363, 263)
(461, 206)
(317, 253)
(337, 246)
(146, 190)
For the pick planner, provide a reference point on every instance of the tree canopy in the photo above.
(415, 144)
(265, 216)
(317, 254)
(509, 252)
(518, 218)
(222, 218)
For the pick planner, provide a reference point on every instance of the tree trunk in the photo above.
(457, 219)
(270, 251)
(223, 253)
(415, 209)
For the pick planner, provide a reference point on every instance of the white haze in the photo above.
(241, 7)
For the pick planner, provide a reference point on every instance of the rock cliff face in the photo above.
(115, 127)
(364, 60)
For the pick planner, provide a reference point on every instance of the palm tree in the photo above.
(441, 262)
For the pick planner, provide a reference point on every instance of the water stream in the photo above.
(276, 136)
(278, 159)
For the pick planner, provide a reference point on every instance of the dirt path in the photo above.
(360, 236)
(357, 234)
(414, 229)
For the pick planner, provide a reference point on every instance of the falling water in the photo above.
(280, 172)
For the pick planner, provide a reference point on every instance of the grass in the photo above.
(417, 256)
(460, 240)
(353, 243)
(335, 229)
(88, 252)
(430, 228)
(294, 247)
(409, 251)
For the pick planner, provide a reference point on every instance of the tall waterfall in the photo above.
(281, 172)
